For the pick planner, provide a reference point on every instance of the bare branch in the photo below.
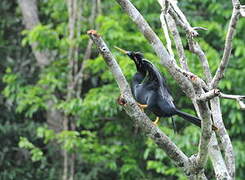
(229, 96)
(228, 46)
(132, 109)
(194, 46)
(197, 81)
(223, 136)
(219, 165)
(178, 42)
(183, 23)
(238, 98)
(242, 10)
(165, 30)
(215, 154)
(209, 95)
(206, 131)
(175, 11)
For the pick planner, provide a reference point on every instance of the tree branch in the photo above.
(206, 132)
(219, 165)
(191, 32)
(178, 43)
(165, 30)
(223, 135)
(132, 109)
(238, 98)
(228, 45)
(209, 95)
(242, 10)
(196, 49)
(180, 18)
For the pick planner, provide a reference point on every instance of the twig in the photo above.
(209, 95)
(228, 46)
(238, 98)
(165, 27)
(183, 23)
(242, 10)
(216, 113)
(178, 13)
(178, 43)
(132, 108)
(194, 46)
(215, 104)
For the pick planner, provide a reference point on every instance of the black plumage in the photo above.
(150, 89)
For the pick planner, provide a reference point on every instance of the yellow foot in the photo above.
(156, 121)
(142, 106)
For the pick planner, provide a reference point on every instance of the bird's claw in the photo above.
(142, 106)
(156, 121)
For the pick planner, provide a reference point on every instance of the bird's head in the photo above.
(135, 56)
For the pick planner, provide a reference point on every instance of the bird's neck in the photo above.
(138, 78)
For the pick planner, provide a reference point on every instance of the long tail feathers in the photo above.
(192, 119)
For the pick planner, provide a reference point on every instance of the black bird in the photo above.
(138, 88)
(149, 88)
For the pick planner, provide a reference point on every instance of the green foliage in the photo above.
(28, 98)
(44, 35)
(36, 153)
(104, 139)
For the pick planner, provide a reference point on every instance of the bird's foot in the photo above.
(142, 106)
(156, 121)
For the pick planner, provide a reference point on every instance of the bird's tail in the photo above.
(191, 118)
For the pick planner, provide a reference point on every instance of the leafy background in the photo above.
(106, 142)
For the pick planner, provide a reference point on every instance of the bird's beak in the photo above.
(121, 50)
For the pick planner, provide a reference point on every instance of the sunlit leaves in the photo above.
(36, 153)
(44, 35)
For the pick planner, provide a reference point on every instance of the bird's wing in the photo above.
(156, 76)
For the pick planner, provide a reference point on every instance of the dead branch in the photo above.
(238, 98)
(178, 42)
(228, 45)
(209, 95)
(132, 109)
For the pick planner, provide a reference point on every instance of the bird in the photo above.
(150, 89)
(137, 87)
